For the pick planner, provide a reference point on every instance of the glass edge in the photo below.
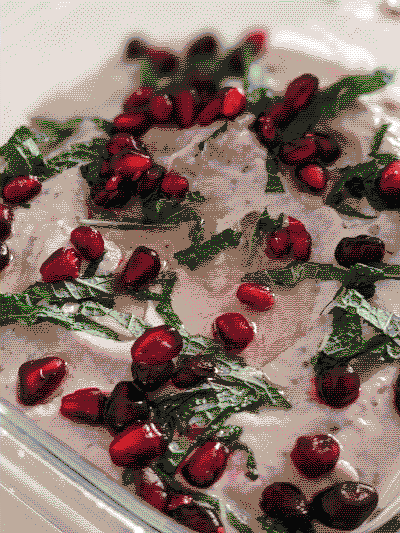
(69, 463)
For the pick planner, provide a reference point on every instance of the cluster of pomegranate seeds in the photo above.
(84, 406)
(315, 455)
(292, 241)
(138, 445)
(338, 387)
(360, 249)
(255, 296)
(37, 380)
(206, 465)
(345, 505)
(233, 330)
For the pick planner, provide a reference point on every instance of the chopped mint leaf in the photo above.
(237, 524)
(103, 124)
(195, 197)
(258, 100)
(272, 526)
(346, 209)
(264, 226)
(58, 131)
(201, 145)
(197, 254)
(210, 500)
(148, 75)
(274, 184)
(364, 170)
(378, 138)
(346, 338)
(385, 159)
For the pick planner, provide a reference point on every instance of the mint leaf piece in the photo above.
(274, 184)
(385, 159)
(259, 100)
(377, 140)
(195, 196)
(272, 526)
(264, 226)
(196, 254)
(201, 145)
(103, 124)
(147, 74)
(210, 500)
(366, 171)
(346, 209)
(58, 131)
(237, 524)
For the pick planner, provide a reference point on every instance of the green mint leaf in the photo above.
(195, 197)
(237, 524)
(214, 135)
(377, 140)
(197, 254)
(58, 131)
(259, 100)
(385, 159)
(346, 209)
(103, 124)
(274, 184)
(264, 226)
(272, 526)
(148, 74)
(210, 500)
(346, 338)
(366, 171)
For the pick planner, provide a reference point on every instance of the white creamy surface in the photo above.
(347, 38)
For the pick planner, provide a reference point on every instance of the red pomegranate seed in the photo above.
(315, 455)
(84, 406)
(206, 465)
(295, 228)
(88, 241)
(150, 180)
(185, 105)
(63, 264)
(113, 183)
(126, 406)
(346, 505)
(161, 107)
(299, 151)
(111, 199)
(157, 346)
(257, 42)
(328, 149)
(284, 502)
(300, 92)
(199, 516)
(6, 217)
(338, 387)
(233, 102)
(131, 165)
(139, 97)
(389, 181)
(301, 247)
(233, 330)
(165, 61)
(143, 266)
(255, 296)
(5, 256)
(21, 189)
(174, 185)
(38, 379)
(152, 490)
(312, 175)
(278, 244)
(149, 378)
(105, 168)
(134, 123)
(360, 249)
(193, 371)
(204, 46)
(211, 112)
(137, 446)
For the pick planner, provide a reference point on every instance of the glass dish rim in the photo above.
(76, 467)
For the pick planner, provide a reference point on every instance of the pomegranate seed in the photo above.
(165, 61)
(149, 378)
(174, 185)
(157, 346)
(233, 330)
(206, 465)
(193, 371)
(255, 296)
(6, 217)
(129, 165)
(328, 149)
(233, 102)
(338, 387)
(152, 490)
(138, 98)
(124, 141)
(39, 379)
(89, 242)
(361, 249)
(312, 175)
(315, 455)
(267, 128)
(257, 42)
(125, 406)
(84, 406)
(105, 168)
(300, 92)
(5, 256)
(132, 122)
(21, 189)
(199, 516)
(113, 183)
(389, 181)
(63, 264)
(284, 501)
(295, 229)
(301, 247)
(111, 199)
(345, 505)
(161, 107)
(137, 446)
(185, 107)
(150, 181)
(299, 151)
(143, 266)
(204, 46)
(211, 112)
(278, 244)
